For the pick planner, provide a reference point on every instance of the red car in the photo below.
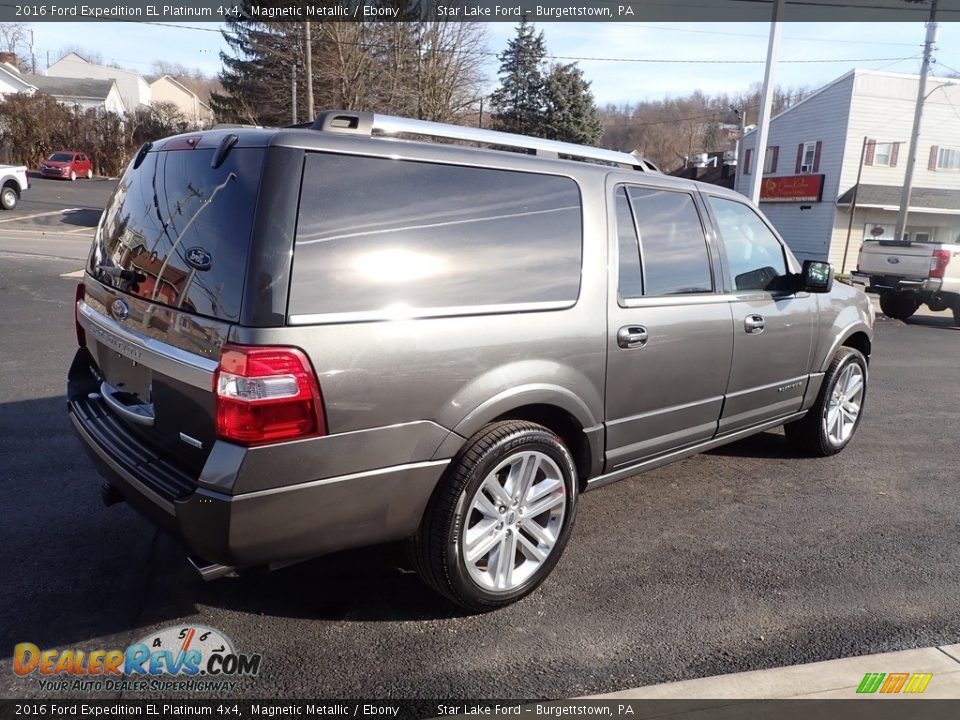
(68, 164)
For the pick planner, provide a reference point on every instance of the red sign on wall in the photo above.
(792, 188)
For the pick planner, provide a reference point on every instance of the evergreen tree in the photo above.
(257, 71)
(570, 115)
(518, 104)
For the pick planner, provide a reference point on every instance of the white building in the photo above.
(813, 157)
(169, 90)
(82, 93)
(12, 81)
(134, 90)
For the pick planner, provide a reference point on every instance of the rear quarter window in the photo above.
(387, 238)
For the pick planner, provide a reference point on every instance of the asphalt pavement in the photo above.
(744, 558)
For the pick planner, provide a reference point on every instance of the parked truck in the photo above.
(13, 181)
(907, 275)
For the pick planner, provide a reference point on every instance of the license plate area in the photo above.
(126, 374)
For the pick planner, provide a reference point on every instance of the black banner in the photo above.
(472, 10)
(862, 709)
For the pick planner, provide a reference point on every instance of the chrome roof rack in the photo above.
(362, 123)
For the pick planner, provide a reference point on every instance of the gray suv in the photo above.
(294, 341)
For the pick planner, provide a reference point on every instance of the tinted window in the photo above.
(61, 157)
(673, 248)
(181, 230)
(754, 255)
(388, 236)
(631, 281)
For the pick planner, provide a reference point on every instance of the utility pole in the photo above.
(293, 89)
(853, 204)
(308, 68)
(929, 43)
(766, 102)
(33, 56)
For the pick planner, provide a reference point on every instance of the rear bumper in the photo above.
(275, 524)
(882, 283)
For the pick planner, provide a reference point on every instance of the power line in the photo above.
(872, 43)
(726, 61)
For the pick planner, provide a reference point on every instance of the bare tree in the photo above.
(14, 38)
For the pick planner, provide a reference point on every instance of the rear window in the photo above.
(388, 238)
(177, 231)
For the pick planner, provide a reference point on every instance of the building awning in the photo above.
(887, 197)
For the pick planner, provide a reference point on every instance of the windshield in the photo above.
(61, 157)
(177, 231)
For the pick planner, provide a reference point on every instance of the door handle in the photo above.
(753, 324)
(141, 414)
(632, 336)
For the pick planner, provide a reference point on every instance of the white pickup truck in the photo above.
(908, 275)
(13, 181)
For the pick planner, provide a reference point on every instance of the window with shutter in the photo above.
(747, 158)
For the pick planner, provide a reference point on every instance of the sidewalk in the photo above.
(833, 679)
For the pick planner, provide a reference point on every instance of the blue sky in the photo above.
(867, 45)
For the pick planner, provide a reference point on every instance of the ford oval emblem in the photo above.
(119, 309)
(893, 260)
(198, 258)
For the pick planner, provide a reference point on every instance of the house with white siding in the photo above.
(170, 90)
(80, 93)
(134, 89)
(813, 158)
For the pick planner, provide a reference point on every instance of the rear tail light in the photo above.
(939, 262)
(80, 293)
(267, 394)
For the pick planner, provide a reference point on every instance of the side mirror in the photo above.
(816, 276)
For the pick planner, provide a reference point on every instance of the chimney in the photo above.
(9, 58)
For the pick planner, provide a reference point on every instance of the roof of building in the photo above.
(717, 174)
(74, 57)
(71, 87)
(852, 73)
(889, 196)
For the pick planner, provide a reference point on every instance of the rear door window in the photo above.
(673, 247)
(177, 231)
(381, 238)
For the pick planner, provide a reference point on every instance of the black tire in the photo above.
(436, 549)
(898, 306)
(809, 435)
(9, 197)
(956, 313)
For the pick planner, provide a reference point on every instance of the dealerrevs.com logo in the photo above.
(192, 658)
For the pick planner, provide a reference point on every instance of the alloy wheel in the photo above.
(843, 406)
(513, 521)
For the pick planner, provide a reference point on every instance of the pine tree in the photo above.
(570, 115)
(518, 104)
(256, 72)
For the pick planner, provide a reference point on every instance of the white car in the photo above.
(13, 181)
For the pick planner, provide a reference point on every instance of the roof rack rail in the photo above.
(363, 123)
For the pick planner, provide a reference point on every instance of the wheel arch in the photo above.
(858, 336)
(554, 407)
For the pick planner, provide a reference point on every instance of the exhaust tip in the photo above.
(210, 571)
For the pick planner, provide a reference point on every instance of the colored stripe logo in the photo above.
(892, 683)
